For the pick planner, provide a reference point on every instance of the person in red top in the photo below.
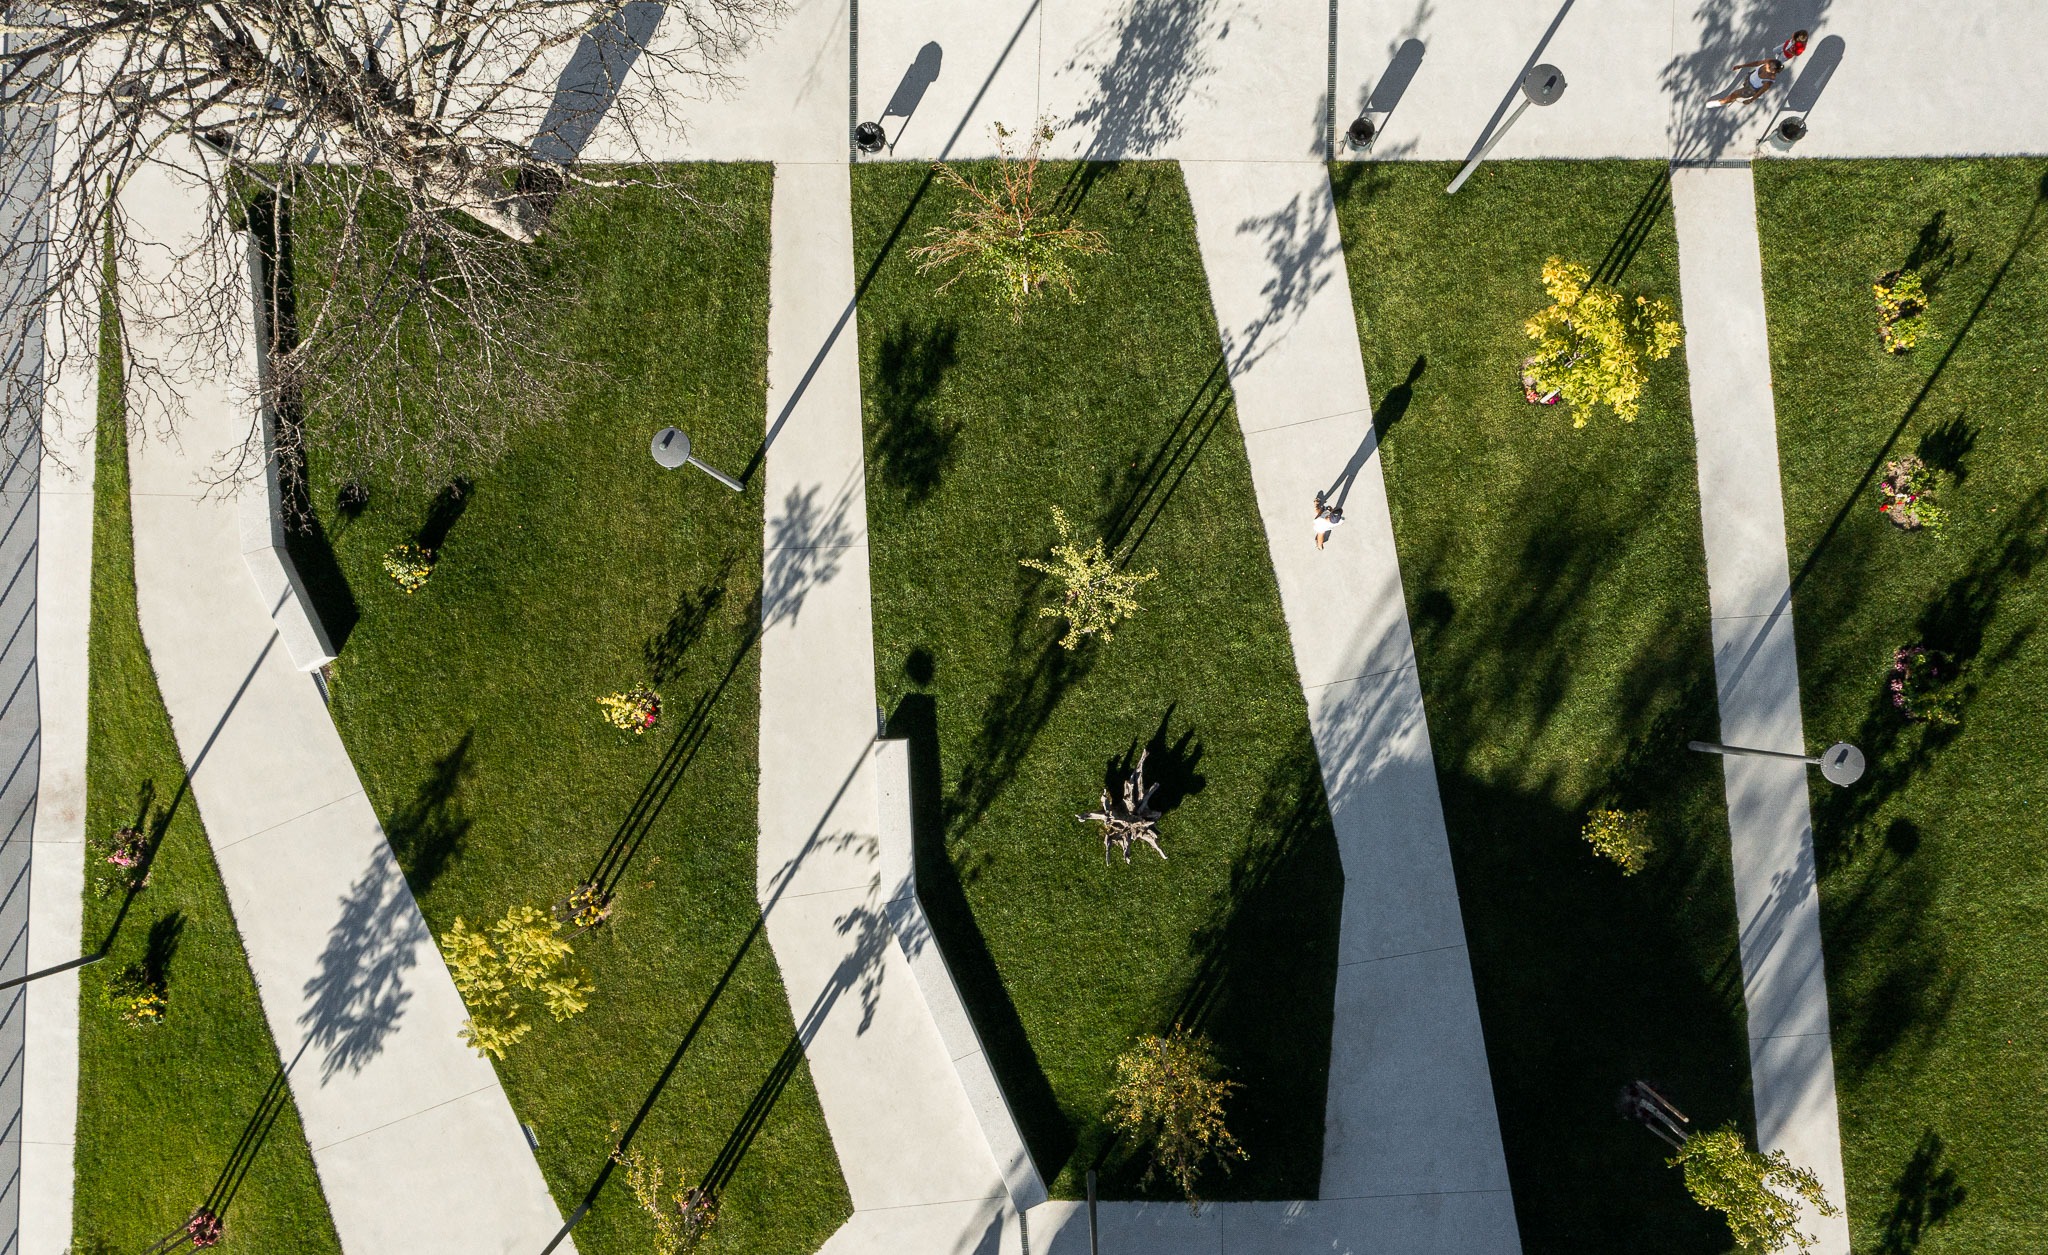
(1793, 46)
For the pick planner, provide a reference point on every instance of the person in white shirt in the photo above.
(1761, 75)
(1327, 517)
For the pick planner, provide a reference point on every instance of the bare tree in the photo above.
(428, 140)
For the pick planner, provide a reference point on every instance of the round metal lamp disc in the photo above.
(1543, 84)
(1842, 763)
(671, 447)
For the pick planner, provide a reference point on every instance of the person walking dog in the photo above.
(1327, 517)
(1761, 75)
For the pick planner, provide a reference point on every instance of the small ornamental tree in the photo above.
(1901, 309)
(409, 566)
(1620, 837)
(1170, 1092)
(1757, 1194)
(1592, 343)
(1908, 489)
(520, 954)
(1925, 686)
(680, 1219)
(1097, 595)
(1002, 233)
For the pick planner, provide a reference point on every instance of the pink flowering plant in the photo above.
(1925, 685)
(204, 1228)
(1908, 489)
(117, 862)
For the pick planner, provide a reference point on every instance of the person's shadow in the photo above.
(1393, 405)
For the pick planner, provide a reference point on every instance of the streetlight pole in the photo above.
(1542, 85)
(1841, 763)
(671, 448)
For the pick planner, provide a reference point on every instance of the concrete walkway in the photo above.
(1410, 1112)
(1784, 979)
(909, 1145)
(63, 613)
(415, 1143)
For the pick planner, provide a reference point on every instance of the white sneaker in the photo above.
(1715, 104)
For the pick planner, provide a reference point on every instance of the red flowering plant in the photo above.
(1908, 489)
(118, 861)
(635, 710)
(1925, 685)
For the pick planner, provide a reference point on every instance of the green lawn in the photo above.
(571, 568)
(164, 1109)
(1119, 412)
(1934, 876)
(1556, 584)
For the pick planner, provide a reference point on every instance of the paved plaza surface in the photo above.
(416, 1145)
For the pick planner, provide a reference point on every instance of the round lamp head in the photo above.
(1360, 133)
(671, 447)
(870, 137)
(1543, 84)
(1842, 763)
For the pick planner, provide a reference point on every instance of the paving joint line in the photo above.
(358, 792)
(481, 1089)
(1405, 954)
(1406, 666)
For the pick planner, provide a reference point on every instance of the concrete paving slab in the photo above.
(1407, 1050)
(416, 1145)
(1190, 79)
(987, 71)
(785, 98)
(902, 1122)
(63, 612)
(1756, 669)
(1411, 1100)
(1639, 78)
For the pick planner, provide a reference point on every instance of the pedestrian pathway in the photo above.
(1784, 979)
(914, 1157)
(1410, 1112)
(63, 611)
(416, 1145)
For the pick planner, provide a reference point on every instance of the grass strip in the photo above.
(1934, 881)
(1556, 584)
(572, 568)
(191, 1110)
(1119, 412)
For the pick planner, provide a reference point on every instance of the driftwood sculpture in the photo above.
(1127, 815)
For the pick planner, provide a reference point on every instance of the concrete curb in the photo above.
(262, 514)
(935, 981)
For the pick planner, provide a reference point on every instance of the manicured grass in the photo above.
(1556, 583)
(1118, 411)
(164, 1109)
(1934, 877)
(571, 568)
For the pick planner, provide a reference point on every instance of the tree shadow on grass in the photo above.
(1263, 988)
(1586, 979)
(912, 450)
(1957, 621)
(428, 832)
(1925, 1194)
(443, 513)
(664, 651)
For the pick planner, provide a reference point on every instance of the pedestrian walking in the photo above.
(1758, 81)
(1792, 47)
(1327, 517)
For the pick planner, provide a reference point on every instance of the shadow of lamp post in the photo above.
(1542, 85)
(672, 449)
(1841, 763)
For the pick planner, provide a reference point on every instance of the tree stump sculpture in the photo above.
(1127, 815)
